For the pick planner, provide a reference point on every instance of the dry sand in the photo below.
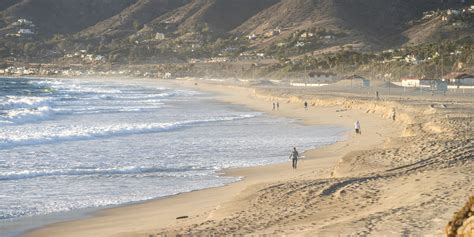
(403, 177)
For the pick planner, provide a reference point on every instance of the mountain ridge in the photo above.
(369, 24)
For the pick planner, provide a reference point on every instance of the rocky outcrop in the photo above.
(462, 224)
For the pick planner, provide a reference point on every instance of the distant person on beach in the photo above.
(377, 95)
(278, 105)
(294, 157)
(393, 115)
(273, 106)
(305, 105)
(357, 127)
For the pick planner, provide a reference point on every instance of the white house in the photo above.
(99, 58)
(299, 44)
(453, 12)
(252, 37)
(159, 36)
(411, 59)
(306, 35)
(410, 82)
(25, 32)
(23, 22)
(415, 82)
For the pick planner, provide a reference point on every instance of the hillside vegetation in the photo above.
(179, 30)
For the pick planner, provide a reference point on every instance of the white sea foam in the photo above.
(88, 171)
(22, 102)
(11, 137)
(26, 115)
(16, 109)
(107, 109)
(78, 144)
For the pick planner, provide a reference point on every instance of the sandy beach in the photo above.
(400, 177)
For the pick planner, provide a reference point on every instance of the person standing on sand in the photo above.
(278, 105)
(294, 157)
(357, 127)
(273, 106)
(305, 105)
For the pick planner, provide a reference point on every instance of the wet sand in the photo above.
(399, 177)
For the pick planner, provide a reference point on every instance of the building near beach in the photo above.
(415, 82)
(316, 79)
(322, 77)
(460, 79)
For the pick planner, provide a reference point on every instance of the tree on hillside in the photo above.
(30, 48)
(136, 25)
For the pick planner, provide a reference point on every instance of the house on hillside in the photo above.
(306, 35)
(428, 15)
(328, 38)
(159, 36)
(411, 59)
(272, 33)
(25, 32)
(299, 44)
(453, 12)
(23, 22)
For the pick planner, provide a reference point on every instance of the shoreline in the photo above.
(73, 215)
(253, 176)
(400, 177)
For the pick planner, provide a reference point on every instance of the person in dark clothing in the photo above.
(294, 157)
(305, 105)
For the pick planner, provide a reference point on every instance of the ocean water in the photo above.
(70, 144)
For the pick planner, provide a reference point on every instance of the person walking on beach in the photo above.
(273, 106)
(357, 127)
(278, 105)
(305, 105)
(294, 157)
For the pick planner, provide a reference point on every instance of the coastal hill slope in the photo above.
(61, 16)
(373, 24)
(221, 16)
(136, 14)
